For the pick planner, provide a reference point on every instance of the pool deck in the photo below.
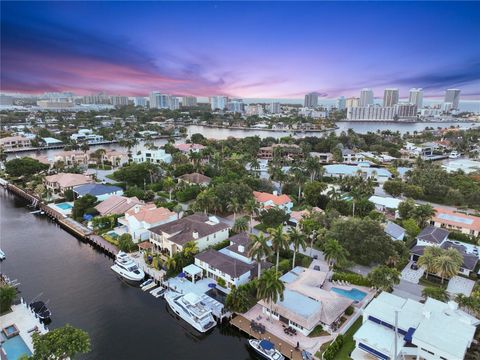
(25, 320)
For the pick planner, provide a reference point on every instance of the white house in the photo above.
(431, 331)
(268, 201)
(153, 156)
(140, 218)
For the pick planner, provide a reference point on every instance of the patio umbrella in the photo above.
(182, 275)
(212, 285)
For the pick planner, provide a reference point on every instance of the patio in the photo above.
(460, 285)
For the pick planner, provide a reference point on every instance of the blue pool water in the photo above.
(15, 347)
(354, 294)
(64, 206)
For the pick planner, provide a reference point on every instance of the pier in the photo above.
(286, 349)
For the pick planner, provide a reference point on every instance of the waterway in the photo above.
(76, 280)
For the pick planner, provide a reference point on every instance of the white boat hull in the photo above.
(130, 278)
(169, 297)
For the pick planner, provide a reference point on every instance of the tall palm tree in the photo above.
(241, 224)
(279, 241)
(255, 166)
(234, 206)
(297, 239)
(270, 288)
(446, 267)
(251, 207)
(259, 250)
(334, 252)
(427, 260)
(312, 166)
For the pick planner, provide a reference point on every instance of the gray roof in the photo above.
(347, 152)
(393, 230)
(469, 260)
(96, 189)
(182, 230)
(224, 263)
(433, 234)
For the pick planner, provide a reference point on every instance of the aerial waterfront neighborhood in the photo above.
(270, 197)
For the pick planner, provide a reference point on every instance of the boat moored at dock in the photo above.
(41, 310)
(266, 349)
(191, 309)
(128, 269)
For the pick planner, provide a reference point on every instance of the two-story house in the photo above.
(267, 201)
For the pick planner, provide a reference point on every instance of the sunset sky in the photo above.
(249, 49)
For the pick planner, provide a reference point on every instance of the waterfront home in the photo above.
(323, 158)
(204, 230)
(351, 157)
(341, 170)
(456, 221)
(71, 158)
(100, 191)
(195, 179)
(152, 156)
(306, 304)
(50, 141)
(140, 218)
(188, 148)
(117, 205)
(284, 152)
(218, 265)
(433, 236)
(111, 157)
(65, 181)
(268, 201)
(431, 331)
(15, 142)
(396, 232)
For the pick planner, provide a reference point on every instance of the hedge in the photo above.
(354, 279)
(333, 349)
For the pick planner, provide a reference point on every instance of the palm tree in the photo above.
(255, 166)
(251, 207)
(7, 296)
(234, 206)
(240, 225)
(297, 239)
(178, 209)
(259, 250)
(334, 252)
(434, 292)
(169, 185)
(170, 263)
(312, 166)
(446, 267)
(279, 241)
(427, 260)
(270, 288)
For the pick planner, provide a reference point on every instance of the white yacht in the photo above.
(454, 155)
(127, 268)
(191, 309)
(266, 349)
(2, 255)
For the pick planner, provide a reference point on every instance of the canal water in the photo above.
(122, 321)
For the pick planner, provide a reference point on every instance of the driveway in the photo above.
(408, 290)
(410, 275)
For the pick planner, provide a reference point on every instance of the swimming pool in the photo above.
(64, 206)
(15, 347)
(354, 294)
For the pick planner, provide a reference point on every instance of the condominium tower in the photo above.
(452, 96)
(366, 97)
(390, 97)
(311, 100)
(416, 97)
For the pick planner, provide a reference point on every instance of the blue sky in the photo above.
(248, 49)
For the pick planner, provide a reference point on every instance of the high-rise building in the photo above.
(189, 101)
(371, 113)
(218, 102)
(404, 111)
(311, 100)
(352, 102)
(119, 100)
(390, 97)
(341, 103)
(416, 97)
(452, 96)
(275, 108)
(163, 101)
(140, 101)
(97, 99)
(236, 106)
(366, 97)
(254, 109)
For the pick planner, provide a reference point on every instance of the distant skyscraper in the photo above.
(189, 101)
(453, 96)
(341, 103)
(119, 100)
(390, 97)
(236, 106)
(218, 102)
(163, 101)
(416, 97)
(140, 101)
(311, 100)
(352, 102)
(275, 108)
(366, 97)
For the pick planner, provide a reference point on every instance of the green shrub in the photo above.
(221, 282)
(352, 278)
(349, 310)
(284, 266)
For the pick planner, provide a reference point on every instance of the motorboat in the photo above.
(454, 155)
(191, 309)
(128, 269)
(2, 255)
(146, 282)
(266, 349)
(41, 310)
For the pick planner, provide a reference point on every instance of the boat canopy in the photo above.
(266, 345)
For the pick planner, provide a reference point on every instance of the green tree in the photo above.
(25, 167)
(259, 250)
(393, 187)
(428, 259)
(446, 266)
(273, 217)
(384, 278)
(334, 252)
(7, 296)
(270, 288)
(298, 240)
(240, 225)
(313, 192)
(69, 195)
(234, 206)
(251, 207)
(411, 228)
(125, 243)
(279, 241)
(84, 205)
(60, 344)
(435, 292)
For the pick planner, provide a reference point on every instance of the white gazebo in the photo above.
(193, 270)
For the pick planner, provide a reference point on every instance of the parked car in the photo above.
(316, 267)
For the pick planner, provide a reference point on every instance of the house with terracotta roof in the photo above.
(66, 181)
(195, 179)
(455, 221)
(142, 217)
(297, 216)
(188, 148)
(268, 201)
(117, 205)
(202, 229)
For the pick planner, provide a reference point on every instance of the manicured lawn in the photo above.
(349, 343)
(318, 331)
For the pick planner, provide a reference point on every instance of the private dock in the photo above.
(286, 349)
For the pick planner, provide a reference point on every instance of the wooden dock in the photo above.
(286, 349)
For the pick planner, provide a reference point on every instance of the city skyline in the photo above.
(206, 49)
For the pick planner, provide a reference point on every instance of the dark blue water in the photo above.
(76, 280)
